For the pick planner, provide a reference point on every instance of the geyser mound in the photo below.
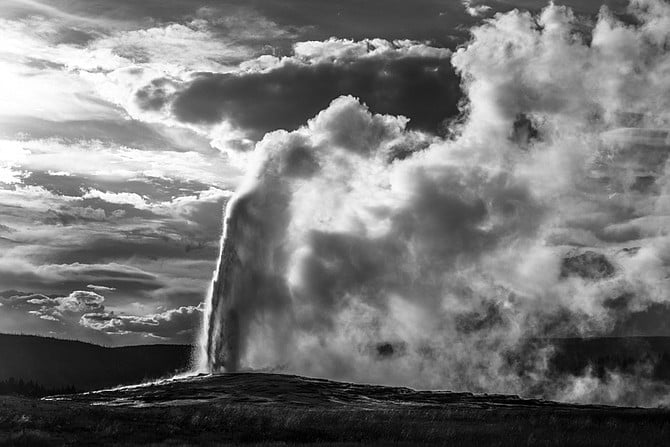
(462, 251)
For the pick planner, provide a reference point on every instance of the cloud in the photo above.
(139, 252)
(77, 302)
(100, 288)
(84, 312)
(400, 77)
(174, 324)
(454, 250)
(444, 23)
(44, 89)
(173, 47)
(120, 197)
(102, 162)
(475, 10)
(97, 61)
(145, 195)
(76, 214)
(19, 273)
(48, 314)
(365, 246)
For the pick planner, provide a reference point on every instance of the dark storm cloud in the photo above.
(425, 89)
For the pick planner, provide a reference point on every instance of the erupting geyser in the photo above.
(246, 278)
(223, 344)
(358, 249)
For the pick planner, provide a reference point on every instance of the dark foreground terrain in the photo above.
(270, 409)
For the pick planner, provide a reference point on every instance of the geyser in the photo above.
(448, 267)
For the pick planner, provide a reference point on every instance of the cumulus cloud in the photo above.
(474, 9)
(543, 208)
(47, 314)
(78, 301)
(175, 324)
(83, 312)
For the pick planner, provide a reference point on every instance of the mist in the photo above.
(358, 248)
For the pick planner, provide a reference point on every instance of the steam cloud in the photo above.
(357, 249)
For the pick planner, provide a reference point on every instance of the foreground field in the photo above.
(268, 409)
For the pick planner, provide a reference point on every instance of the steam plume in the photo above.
(357, 249)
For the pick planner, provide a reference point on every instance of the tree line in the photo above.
(20, 387)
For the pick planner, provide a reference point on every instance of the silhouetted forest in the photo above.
(20, 387)
(59, 364)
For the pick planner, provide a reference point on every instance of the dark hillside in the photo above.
(54, 363)
(649, 356)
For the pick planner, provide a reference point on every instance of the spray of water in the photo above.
(357, 249)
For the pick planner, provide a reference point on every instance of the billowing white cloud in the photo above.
(336, 50)
(474, 9)
(77, 302)
(180, 323)
(85, 311)
(353, 252)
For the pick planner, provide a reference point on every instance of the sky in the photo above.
(126, 126)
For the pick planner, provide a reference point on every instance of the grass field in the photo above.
(260, 409)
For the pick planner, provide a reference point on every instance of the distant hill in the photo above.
(57, 364)
(54, 363)
(648, 356)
